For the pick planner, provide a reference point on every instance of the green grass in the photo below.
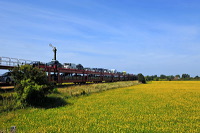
(94, 88)
(155, 107)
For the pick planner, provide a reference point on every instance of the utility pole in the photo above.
(54, 50)
(55, 65)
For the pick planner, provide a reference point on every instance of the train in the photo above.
(72, 73)
(69, 72)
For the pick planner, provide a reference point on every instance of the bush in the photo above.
(31, 84)
(141, 78)
(7, 102)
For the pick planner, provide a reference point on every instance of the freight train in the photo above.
(70, 72)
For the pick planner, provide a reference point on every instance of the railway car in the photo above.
(81, 76)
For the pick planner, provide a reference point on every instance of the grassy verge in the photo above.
(93, 88)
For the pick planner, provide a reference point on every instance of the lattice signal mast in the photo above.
(54, 50)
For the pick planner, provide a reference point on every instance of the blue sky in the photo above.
(137, 36)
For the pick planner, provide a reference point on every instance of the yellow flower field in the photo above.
(160, 106)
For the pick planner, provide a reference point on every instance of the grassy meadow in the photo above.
(159, 106)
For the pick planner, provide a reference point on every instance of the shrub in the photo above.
(31, 84)
(7, 102)
(141, 78)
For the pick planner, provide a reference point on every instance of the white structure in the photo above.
(69, 65)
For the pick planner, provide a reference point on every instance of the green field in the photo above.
(160, 106)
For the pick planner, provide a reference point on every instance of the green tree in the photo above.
(148, 78)
(185, 76)
(170, 77)
(162, 76)
(141, 78)
(31, 84)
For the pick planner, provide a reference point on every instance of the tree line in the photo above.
(163, 77)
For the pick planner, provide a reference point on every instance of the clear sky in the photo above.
(137, 36)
